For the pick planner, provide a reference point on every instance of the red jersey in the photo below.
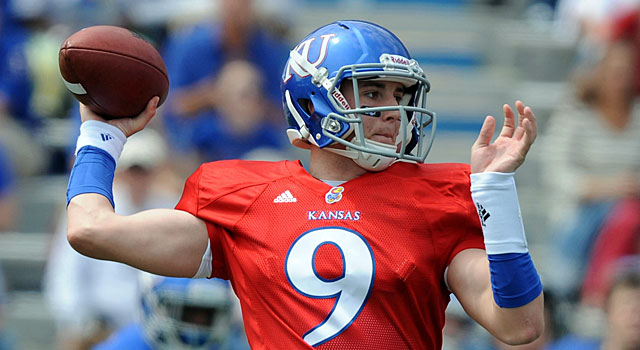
(357, 266)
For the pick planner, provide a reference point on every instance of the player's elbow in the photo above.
(524, 334)
(88, 227)
(79, 237)
(85, 237)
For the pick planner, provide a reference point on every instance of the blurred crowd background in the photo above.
(575, 62)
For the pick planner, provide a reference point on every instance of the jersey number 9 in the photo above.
(350, 290)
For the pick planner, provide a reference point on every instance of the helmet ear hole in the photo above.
(306, 105)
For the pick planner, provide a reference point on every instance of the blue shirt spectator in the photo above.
(15, 83)
(196, 57)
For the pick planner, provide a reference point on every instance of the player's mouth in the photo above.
(383, 138)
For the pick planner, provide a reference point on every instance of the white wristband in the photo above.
(496, 200)
(101, 135)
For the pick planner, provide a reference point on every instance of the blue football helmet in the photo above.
(355, 50)
(184, 313)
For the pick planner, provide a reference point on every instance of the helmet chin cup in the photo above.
(373, 162)
(365, 160)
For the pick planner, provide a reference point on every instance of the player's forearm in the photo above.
(469, 278)
(90, 204)
(517, 314)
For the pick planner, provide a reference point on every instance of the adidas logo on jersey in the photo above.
(285, 197)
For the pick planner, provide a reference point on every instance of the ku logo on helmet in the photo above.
(303, 48)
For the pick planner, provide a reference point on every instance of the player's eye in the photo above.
(371, 94)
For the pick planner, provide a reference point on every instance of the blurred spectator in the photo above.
(588, 23)
(181, 314)
(621, 324)
(8, 197)
(240, 126)
(619, 237)
(15, 80)
(623, 306)
(592, 151)
(5, 340)
(89, 298)
(626, 26)
(17, 120)
(203, 60)
(8, 211)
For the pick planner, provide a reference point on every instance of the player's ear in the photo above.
(310, 107)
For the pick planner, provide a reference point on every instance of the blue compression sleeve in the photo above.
(92, 173)
(514, 279)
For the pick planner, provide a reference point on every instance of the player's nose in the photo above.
(391, 116)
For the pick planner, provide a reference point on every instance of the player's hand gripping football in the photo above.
(509, 150)
(128, 126)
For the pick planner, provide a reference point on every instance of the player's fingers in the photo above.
(509, 122)
(528, 127)
(151, 108)
(532, 132)
(526, 133)
(526, 141)
(87, 114)
(150, 111)
(525, 114)
(132, 125)
(486, 132)
(520, 108)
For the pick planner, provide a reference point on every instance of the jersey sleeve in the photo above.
(466, 228)
(220, 193)
(189, 200)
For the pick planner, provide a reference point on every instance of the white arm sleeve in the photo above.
(496, 200)
(205, 265)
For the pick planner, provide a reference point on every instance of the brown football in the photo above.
(112, 70)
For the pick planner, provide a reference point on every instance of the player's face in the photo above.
(385, 126)
(614, 77)
(201, 316)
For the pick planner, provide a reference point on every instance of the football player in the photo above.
(178, 314)
(361, 249)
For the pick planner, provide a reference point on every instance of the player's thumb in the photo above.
(130, 126)
(149, 111)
